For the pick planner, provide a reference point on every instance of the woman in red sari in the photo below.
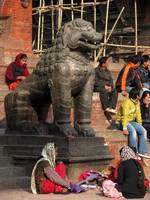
(16, 71)
(47, 176)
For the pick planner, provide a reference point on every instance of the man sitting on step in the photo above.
(104, 85)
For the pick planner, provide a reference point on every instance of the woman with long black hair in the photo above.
(145, 111)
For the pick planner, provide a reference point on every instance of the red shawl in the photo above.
(9, 77)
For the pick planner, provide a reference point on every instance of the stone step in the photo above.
(2, 131)
(14, 182)
(147, 171)
(24, 160)
(35, 150)
(147, 163)
(1, 150)
(24, 149)
(42, 140)
(5, 161)
(27, 139)
(11, 171)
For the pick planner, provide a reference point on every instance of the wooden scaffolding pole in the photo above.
(82, 6)
(126, 46)
(42, 28)
(60, 4)
(101, 49)
(106, 27)
(52, 21)
(136, 34)
(94, 6)
(39, 27)
(72, 12)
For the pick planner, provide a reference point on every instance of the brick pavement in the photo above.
(26, 195)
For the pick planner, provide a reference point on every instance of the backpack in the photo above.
(141, 176)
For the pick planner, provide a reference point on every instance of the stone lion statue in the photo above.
(63, 76)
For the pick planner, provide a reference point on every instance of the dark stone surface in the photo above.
(78, 153)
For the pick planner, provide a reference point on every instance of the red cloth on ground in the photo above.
(84, 175)
(48, 186)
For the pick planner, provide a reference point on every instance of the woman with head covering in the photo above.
(16, 71)
(47, 177)
(130, 179)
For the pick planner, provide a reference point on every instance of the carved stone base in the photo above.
(85, 154)
(79, 154)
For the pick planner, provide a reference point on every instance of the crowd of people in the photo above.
(132, 117)
(126, 180)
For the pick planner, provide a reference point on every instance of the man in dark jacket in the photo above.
(128, 77)
(143, 71)
(104, 85)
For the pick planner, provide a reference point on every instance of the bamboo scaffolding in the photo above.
(72, 7)
(42, 33)
(94, 6)
(126, 46)
(39, 27)
(52, 21)
(54, 6)
(106, 27)
(60, 3)
(100, 51)
(136, 37)
(42, 29)
(82, 6)
(72, 10)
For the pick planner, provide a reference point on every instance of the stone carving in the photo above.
(2, 27)
(25, 3)
(5, 24)
(63, 76)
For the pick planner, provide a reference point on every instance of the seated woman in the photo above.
(16, 71)
(128, 179)
(145, 111)
(47, 176)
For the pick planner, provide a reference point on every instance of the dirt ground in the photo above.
(21, 194)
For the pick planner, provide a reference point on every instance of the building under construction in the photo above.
(125, 24)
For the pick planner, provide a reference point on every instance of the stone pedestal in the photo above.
(84, 154)
(79, 154)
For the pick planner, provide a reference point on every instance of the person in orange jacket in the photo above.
(128, 77)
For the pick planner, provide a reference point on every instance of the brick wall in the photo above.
(16, 30)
